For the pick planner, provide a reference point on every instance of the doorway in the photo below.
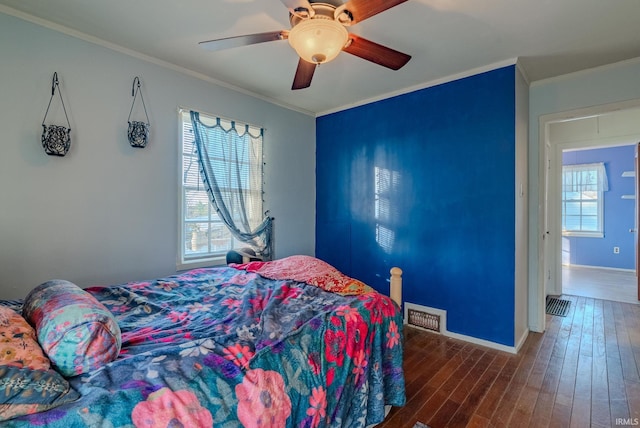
(597, 193)
(599, 121)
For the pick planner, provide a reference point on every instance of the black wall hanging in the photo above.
(138, 133)
(56, 140)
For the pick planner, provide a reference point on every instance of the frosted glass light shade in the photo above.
(318, 40)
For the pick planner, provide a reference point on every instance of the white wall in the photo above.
(521, 324)
(604, 85)
(615, 128)
(106, 212)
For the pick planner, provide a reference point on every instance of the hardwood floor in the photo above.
(607, 284)
(583, 371)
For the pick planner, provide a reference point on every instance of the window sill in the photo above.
(201, 263)
(584, 234)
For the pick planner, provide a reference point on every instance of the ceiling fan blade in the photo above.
(297, 5)
(363, 9)
(374, 52)
(249, 39)
(304, 74)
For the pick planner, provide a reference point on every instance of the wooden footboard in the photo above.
(396, 285)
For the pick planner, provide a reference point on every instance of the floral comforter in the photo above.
(226, 347)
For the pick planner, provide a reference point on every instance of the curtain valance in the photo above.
(585, 178)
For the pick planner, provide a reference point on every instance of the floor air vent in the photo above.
(424, 320)
(557, 306)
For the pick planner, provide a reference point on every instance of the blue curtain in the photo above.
(223, 157)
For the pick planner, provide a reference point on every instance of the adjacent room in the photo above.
(319, 213)
(595, 264)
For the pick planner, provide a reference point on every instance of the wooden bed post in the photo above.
(396, 285)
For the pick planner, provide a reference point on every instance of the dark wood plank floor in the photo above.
(582, 372)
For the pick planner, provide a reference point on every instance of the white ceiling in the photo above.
(444, 37)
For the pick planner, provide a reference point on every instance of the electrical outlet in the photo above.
(616, 250)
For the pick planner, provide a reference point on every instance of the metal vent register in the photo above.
(557, 306)
(423, 320)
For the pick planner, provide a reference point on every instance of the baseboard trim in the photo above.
(520, 342)
(600, 267)
(482, 342)
(444, 332)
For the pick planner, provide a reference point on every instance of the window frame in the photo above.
(184, 261)
(599, 233)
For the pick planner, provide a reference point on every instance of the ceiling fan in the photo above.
(318, 35)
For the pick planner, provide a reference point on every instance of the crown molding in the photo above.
(138, 55)
(436, 82)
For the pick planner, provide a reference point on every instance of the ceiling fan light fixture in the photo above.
(318, 40)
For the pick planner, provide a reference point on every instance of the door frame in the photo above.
(549, 223)
(637, 214)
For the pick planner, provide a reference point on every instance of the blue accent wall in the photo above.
(618, 213)
(445, 204)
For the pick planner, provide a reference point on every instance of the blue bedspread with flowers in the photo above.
(228, 348)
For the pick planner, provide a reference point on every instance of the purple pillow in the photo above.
(77, 332)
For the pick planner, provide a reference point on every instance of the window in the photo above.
(204, 237)
(582, 199)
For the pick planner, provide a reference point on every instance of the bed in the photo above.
(286, 343)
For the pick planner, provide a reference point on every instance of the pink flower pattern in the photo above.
(262, 400)
(393, 337)
(360, 363)
(231, 303)
(318, 406)
(350, 314)
(238, 354)
(249, 367)
(166, 408)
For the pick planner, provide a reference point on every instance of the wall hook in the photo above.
(54, 83)
(133, 88)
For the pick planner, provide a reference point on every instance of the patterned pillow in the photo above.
(27, 382)
(310, 270)
(77, 332)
